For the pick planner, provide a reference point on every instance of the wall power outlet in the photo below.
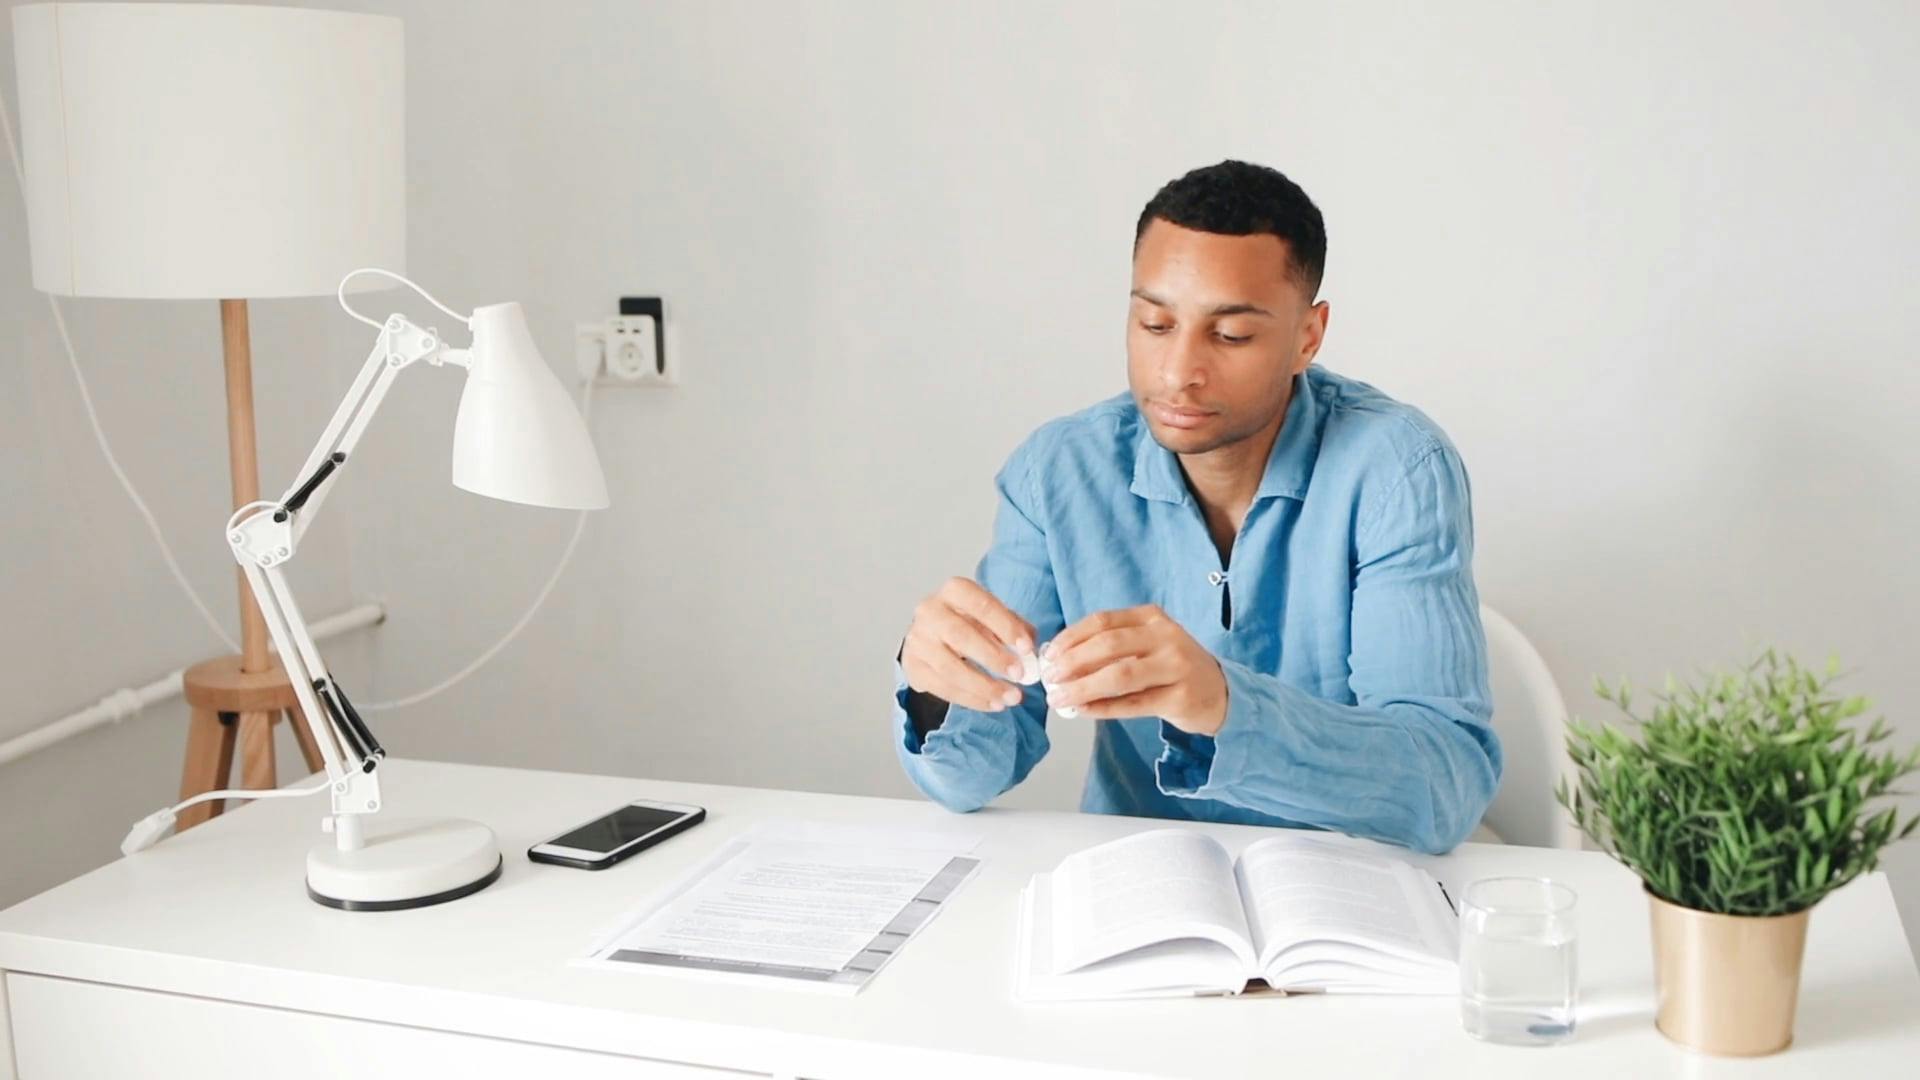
(628, 349)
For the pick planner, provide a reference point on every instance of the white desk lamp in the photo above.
(517, 437)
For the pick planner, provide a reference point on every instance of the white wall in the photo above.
(1651, 266)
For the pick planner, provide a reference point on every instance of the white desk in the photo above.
(203, 958)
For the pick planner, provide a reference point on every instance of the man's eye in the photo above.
(1155, 328)
(1231, 340)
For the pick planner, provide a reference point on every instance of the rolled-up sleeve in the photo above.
(972, 757)
(1414, 760)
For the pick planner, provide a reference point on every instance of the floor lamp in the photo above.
(215, 153)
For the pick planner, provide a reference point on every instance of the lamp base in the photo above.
(405, 863)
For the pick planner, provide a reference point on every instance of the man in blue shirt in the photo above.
(1252, 574)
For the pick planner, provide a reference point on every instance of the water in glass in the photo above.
(1517, 963)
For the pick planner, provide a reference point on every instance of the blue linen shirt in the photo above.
(1354, 657)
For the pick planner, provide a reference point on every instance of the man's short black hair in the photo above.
(1235, 198)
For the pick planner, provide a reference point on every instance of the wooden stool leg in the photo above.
(309, 749)
(257, 769)
(209, 760)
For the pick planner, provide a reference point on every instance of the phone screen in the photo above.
(616, 830)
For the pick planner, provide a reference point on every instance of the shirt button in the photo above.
(1216, 577)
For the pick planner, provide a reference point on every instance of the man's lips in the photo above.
(1175, 416)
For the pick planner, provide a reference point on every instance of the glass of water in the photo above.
(1517, 973)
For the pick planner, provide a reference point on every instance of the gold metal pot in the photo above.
(1726, 984)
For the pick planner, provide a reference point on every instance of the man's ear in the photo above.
(1313, 332)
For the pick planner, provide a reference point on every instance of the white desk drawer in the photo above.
(69, 1030)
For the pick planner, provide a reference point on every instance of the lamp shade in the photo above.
(518, 436)
(209, 151)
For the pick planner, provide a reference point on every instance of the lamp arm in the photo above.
(350, 763)
(399, 345)
(265, 535)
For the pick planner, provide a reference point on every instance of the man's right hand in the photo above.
(960, 622)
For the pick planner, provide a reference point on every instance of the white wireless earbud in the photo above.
(1029, 669)
(1045, 671)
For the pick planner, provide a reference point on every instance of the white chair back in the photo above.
(1530, 716)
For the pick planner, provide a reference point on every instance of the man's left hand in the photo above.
(1135, 662)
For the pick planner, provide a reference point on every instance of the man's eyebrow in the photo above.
(1240, 309)
(1220, 309)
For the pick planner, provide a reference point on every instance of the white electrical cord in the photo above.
(151, 829)
(173, 565)
(566, 556)
(340, 294)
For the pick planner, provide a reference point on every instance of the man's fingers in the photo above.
(976, 603)
(1073, 635)
(1099, 623)
(969, 639)
(1143, 703)
(957, 681)
(958, 626)
(1126, 675)
(1096, 652)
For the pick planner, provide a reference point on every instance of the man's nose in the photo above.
(1185, 364)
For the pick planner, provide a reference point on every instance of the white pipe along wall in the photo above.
(130, 701)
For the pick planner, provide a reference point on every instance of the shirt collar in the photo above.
(1156, 471)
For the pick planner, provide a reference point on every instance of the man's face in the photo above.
(1216, 330)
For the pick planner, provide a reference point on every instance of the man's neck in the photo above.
(1224, 480)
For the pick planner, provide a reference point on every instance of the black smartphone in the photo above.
(625, 832)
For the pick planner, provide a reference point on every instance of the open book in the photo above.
(1169, 913)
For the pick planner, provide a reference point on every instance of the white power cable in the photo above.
(151, 829)
(340, 294)
(173, 566)
(566, 556)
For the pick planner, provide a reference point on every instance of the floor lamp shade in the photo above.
(201, 151)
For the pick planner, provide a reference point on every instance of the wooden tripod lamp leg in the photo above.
(309, 750)
(210, 743)
(257, 768)
(243, 461)
(209, 759)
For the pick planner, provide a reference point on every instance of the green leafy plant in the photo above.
(1746, 794)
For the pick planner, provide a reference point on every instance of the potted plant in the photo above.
(1740, 802)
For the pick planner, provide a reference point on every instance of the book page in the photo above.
(1170, 969)
(1155, 886)
(1301, 889)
